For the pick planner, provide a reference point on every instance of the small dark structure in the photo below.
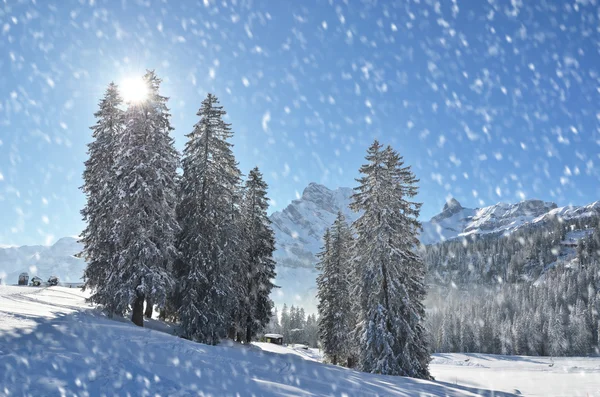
(53, 280)
(276, 339)
(23, 279)
(36, 281)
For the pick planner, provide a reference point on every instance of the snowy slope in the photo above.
(53, 344)
(43, 261)
(567, 255)
(571, 212)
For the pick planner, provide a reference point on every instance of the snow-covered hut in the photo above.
(274, 338)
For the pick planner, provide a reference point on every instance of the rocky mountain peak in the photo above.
(451, 208)
(314, 191)
(452, 205)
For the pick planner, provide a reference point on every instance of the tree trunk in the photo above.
(334, 359)
(350, 362)
(149, 308)
(231, 333)
(248, 333)
(137, 317)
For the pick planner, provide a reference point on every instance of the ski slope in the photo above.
(53, 344)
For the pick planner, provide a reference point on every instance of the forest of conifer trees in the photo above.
(195, 246)
(198, 246)
(527, 293)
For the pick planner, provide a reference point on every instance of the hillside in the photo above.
(52, 343)
(455, 221)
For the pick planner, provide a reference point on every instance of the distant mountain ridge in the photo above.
(300, 226)
(455, 221)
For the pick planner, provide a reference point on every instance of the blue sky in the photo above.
(488, 100)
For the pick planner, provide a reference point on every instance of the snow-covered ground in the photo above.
(299, 350)
(52, 343)
(530, 376)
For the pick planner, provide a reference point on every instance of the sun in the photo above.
(134, 90)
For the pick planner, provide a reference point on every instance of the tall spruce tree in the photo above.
(390, 273)
(208, 243)
(259, 243)
(99, 180)
(333, 283)
(145, 224)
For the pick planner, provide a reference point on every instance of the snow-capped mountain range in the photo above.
(300, 227)
(298, 232)
(456, 221)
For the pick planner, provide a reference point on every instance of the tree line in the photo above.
(197, 246)
(295, 326)
(527, 293)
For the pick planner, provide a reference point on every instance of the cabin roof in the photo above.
(273, 336)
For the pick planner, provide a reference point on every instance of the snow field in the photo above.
(53, 344)
(527, 375)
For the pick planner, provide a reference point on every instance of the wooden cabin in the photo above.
(276, 339)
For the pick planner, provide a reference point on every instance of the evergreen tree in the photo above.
(99, 181)
(145, 223)
(335, 316)
(312, 330)
(391, 274)
(259, 243)
(209, 240)
(557, 335)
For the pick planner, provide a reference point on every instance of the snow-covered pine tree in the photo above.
(324, 297)
(335, 316)
(312, 330)
(98, 187)
(391, 274)
(208, 241)
(145, 223)
(259, 243)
